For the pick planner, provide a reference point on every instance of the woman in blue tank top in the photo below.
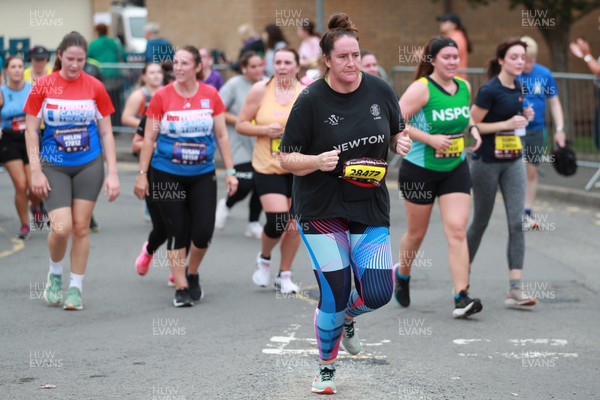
(13, 152)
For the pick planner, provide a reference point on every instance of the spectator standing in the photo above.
(105, 49)
(452, 27)
(158, 50)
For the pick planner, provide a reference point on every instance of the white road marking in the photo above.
(538, 354)
(551, 342)
(469, 341)
(278, 346)
(525, 354)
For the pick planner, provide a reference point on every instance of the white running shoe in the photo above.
(517, 298)
(262, 275)
(530, 223)
(284, 283)
(254, 230)
(221, 214)
(350, 339)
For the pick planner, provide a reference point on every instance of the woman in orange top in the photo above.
(269, 104)
(451, 26)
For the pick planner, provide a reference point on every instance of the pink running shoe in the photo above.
(171, 281)
(142, 263)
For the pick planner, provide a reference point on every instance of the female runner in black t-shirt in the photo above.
(335, 143)
(498, 162)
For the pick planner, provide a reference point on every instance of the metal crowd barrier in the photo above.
(120, 79)
(579, 98)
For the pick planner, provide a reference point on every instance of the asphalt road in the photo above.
(244, 342)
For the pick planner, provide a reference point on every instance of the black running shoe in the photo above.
(196, 292)
(402, 292)
(182, 298)
(94, 226)
(465, 306)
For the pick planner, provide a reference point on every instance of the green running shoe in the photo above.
(53, 289)
(323, 383)
(73, 301)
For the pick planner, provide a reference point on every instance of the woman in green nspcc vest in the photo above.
(437, 107)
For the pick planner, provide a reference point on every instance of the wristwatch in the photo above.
(588, 58)
(141, 172)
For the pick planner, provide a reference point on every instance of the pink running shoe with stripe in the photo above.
(142, 263)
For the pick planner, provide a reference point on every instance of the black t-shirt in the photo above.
(359, 124)
(502, 103)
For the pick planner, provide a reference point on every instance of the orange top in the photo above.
(266, 149)
(463, 51)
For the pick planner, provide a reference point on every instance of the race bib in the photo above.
(507, 146)
(275, 142)
(367, 171)
(72, 140)
(455, 149)
(18, 123)
(189, 153)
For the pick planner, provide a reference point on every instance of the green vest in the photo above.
(443, 114)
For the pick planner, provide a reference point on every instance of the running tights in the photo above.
(336, 247)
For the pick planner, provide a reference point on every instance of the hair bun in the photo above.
(341, 21)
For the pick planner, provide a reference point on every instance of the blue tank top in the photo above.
(13, 116)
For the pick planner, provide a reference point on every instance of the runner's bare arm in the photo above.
(304, 164)
(249, 110)
(478, 114)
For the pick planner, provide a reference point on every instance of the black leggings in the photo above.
(158, 234)
(187, 207)
(245, 176)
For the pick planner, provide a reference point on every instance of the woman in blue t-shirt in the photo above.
(499, 114)
(13, 151)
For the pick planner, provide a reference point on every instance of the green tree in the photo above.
(553, 19)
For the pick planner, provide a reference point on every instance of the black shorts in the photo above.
(12, 147)
(421, 186)
(273, 183)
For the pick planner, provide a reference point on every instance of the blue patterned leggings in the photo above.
(337, 246)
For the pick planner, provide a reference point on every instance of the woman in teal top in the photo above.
(437, 107)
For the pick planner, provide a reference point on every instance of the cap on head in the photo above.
(39, 53)
(449, 17)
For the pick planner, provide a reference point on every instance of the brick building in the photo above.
(386, 27)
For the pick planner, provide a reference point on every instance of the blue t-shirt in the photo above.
(159, 50)
(186, 143)
(13, 116)
(537, 86)
(69, 109)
